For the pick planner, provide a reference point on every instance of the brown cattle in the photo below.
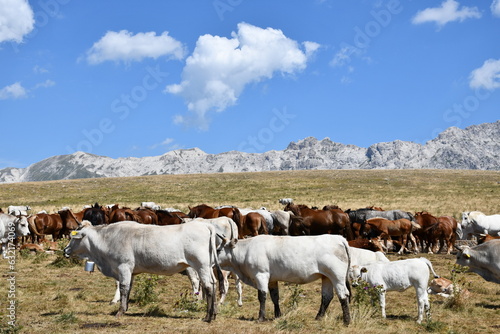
(70, 220)
(443, 233)
(369, 244)
(32, 248)
(42, 224)
(386, 228)
(205, 211)
(444, 287)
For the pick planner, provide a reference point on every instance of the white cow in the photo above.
(263, 260)
(225, 228)
(11, 227)
(478, 222)
(482, 259)
(18, 210)
(397, 276)
(123, 250)
(361, 257)
(281, 221)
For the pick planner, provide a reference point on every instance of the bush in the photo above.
(186, 302)
(144, 289)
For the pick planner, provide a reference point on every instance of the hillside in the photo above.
(475, 147)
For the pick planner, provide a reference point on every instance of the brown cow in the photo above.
(205, 211)
(386, 228)
(43, 223)
(443, 233)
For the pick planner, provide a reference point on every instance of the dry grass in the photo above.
(69, 300)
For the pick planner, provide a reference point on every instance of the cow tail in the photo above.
(215, 258)
(347, 282)
(429, 264)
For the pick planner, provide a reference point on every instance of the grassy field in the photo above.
(55, 296)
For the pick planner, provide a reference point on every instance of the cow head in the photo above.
(463, 255)
(22, 228)
(355, 273)
(78, 243)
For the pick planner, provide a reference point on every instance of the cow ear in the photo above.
(364, 270)
(77, 234)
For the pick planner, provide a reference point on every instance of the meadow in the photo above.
(54, 295)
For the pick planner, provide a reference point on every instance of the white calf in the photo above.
(398, 276)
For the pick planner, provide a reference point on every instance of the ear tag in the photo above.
(467, 256)
(73, 233)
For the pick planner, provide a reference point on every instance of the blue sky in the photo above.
(129, 78)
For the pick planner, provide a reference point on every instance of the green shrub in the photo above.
(144, 289)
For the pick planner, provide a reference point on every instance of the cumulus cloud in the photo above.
(14, 91)
(487, 76)
(126, 47)
(219, 68)
(495, 8)
(46, 84)
(16, 20)
(448, 12)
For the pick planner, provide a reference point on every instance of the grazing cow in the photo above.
(482, 259)
(385, 228)
(125, 249)
(18, 210)
(11, 227)
(478, 222)
(43, 223)
(264, 260)
(373, 244)
(397, 276)
(444, 287)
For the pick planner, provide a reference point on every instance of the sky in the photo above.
(141, 78)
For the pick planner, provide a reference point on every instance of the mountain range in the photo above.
(475, 147)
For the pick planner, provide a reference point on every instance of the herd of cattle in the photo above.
(261, 247)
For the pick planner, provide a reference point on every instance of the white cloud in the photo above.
(16, 20)
(219, 68)
(14, 91)
(487, 76)
(495, 8)
(123, 46)
(47, 83)
(448, 12)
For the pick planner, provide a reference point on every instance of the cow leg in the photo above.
(239, 290)
(195, 282)
(382, 303)
(326, 296)
(262, 301)
(275, 297)
(116, 298)
(423, 304)
(342, 289)
(208, 283)
(225, 274)
(125, 287)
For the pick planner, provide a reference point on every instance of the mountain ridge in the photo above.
(475, 147)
